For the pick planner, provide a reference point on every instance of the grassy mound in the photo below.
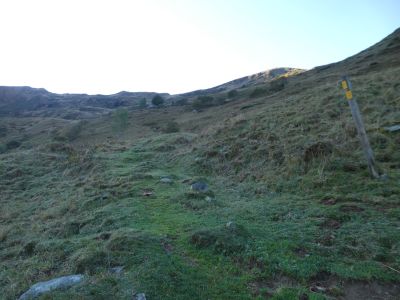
(229, 239)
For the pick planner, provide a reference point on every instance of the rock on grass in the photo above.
(44, 287)
(199, 186)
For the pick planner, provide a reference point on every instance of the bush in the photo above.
(157, 100)
(120, 119)
(278, 84)
(203, 102)
(12, 144)
(316, 150)
(3, 148)
(3, 131)
(171, 126)
(225, 240)
(232, 93)
(90, 260)
(60, 147)
(219, 101)
(257, 92)
(74, 131)
(181, 102)
(143, 103)
(59, 137)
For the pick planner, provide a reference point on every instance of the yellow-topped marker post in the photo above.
(355, 111)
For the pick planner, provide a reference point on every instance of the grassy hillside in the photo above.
(291, 211)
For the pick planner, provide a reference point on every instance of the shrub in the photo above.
(317, 150)
(257, 92)
(4, 233)
(171, 126)
(143, 103)
(60, 147)
(12, 144)
(157, 100)
(90, 260)
(226, 240)
(220, 100)
(203, 102)
(80, 160)
(181, 102)
(120, 119)
(278, 84)
(59, 137)
(232, 93)
(74, 131)
(3, 131)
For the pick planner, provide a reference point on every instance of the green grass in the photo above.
(58, 218)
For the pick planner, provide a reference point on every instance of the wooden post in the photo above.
(355, 111)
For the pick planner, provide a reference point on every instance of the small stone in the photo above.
(105, 196)
(383, 177)
(140, 296)
(166, 180)
(117, 270)
(230, 225)
(199, 186)
(392, 128)
(60, 283)
(209, 199)
(147, 193)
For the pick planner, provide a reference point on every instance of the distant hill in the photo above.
(247, 81)
(28, 101)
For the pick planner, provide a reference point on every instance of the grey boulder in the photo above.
(166, 180)
(392, 128)
(199, 186)
(116, 270)
(140, 296)
(60, 283)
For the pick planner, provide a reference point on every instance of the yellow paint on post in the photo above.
(349, 95)
(344, 85)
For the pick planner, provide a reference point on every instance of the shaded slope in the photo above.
(28, 102)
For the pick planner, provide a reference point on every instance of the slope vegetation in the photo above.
(290, 211)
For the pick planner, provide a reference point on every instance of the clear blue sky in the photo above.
(96, 46)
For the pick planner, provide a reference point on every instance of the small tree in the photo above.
(157, 100)
(143, 103)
